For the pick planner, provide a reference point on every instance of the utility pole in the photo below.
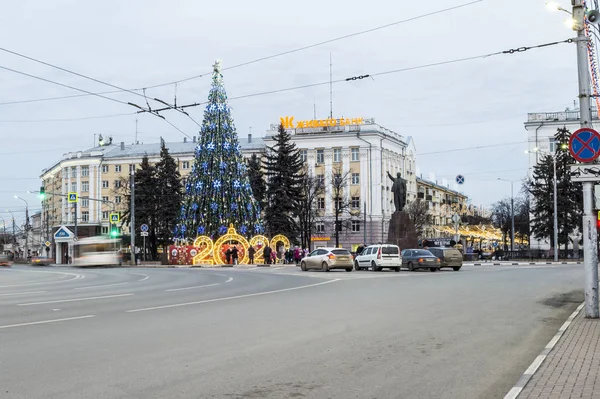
(365, 223)
(75, 227)
(132, 221)
(590, 235)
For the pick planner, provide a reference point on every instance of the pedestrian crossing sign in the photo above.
(72, 197)
(115, 217)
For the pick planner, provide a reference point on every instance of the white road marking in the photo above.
(146, 277)
(75, 299)
(76, 277)
(230, 279)
(23, 293)
(100, 286)
(46, 321)
(190, 288)
(231, 297)
(55, 310)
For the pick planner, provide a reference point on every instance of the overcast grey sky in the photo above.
(138, 43)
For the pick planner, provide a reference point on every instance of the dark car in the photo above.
(449, 257)
(41, 261)
(420, 259)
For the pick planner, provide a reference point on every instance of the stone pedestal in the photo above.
(402, 231)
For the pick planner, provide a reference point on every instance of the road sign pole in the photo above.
(590, 239)
(132, 221)
(75, 206)
(144, 254)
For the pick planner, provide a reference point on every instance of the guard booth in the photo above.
(63, 241)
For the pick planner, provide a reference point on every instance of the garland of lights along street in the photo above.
(219, 210)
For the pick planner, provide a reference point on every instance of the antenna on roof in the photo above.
(330, 87)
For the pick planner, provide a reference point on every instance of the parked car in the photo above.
(4, 261)
(41, 261)
(449, 257)
(379, 257)
(326, 259)
(420, 259)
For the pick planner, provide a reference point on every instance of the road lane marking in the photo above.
(191, 288)
(230, 279)
(23, 293)
(100, 286)
(75, 299)
(230, 297)
(76, 277)
(146, 277)
(46, 321)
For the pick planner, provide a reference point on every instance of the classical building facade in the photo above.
(443, 203)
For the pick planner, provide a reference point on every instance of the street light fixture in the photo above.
(554, 6)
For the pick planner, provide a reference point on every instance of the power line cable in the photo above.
(67, 119)
(471, 148)
(444, 10)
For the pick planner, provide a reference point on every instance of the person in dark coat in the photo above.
(267, 254)
(251, 252)
(228, 255)
(234, 255)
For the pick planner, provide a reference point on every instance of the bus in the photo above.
(97, 251)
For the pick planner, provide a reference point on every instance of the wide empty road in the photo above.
(276, 333)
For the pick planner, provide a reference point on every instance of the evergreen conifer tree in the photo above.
(218, 192)
(169, 199)
(257, 180)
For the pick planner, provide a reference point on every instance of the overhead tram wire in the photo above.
(258, 59)
(361, 77)
(472, 148)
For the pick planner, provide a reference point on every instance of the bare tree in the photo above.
(307, 211)
(341, 204)
(419, 213)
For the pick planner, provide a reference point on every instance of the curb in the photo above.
(533, 367)
(520, 263)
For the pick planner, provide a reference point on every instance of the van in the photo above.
(449, 257)
(379, 257)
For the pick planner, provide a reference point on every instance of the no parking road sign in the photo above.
(584, 145)
(460, 179)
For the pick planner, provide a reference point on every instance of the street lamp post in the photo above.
(13, 227)
(26, 226)
(512, 215)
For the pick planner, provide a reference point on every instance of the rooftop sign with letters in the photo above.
(288, 122)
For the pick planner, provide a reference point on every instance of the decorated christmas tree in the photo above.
(218, 192)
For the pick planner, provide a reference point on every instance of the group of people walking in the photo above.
(288, 256)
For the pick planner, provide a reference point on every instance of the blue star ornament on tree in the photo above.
(218, 191)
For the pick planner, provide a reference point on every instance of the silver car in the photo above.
(326, 259)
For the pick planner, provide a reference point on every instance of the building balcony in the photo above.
(564, 116)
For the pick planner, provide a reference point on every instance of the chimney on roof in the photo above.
(122, 146)
(185, 139)
(249, 137)
(194, 138)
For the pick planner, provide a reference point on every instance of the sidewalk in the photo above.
(570, 365)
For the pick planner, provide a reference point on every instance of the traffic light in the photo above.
(114, 231)
(42, 193)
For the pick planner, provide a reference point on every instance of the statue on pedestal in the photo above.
(399, 190)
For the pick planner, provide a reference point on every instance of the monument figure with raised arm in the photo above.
(399, 190)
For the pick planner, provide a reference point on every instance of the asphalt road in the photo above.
(276, 333)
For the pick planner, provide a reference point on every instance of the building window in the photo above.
(85, 202)
(104, 168)
(117, 183)
(321, 203)
(132, 168)
(104, 229)
(339, 203)
(321, 180)
(65, 173)
(303, 155)
(117, 199)
(85, 171)
(104, 183)
(85, 216)
(337, 155)
(320, 156)
(320, 227)
(355, 154)
(355, 203)
(66, 187)
(356, 225)
(85, 186)
(73, 171)
(185, 165)
(355, 178)
(104, 199)
(74, 186)
(117, 168)
(104, 214)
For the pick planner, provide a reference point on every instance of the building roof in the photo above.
(439, 186)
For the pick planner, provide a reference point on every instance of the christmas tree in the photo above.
(218, 192)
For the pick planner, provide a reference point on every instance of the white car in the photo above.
(378, 257)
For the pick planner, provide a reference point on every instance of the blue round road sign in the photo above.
(584, 145)
(144, 228)
(460, 179)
